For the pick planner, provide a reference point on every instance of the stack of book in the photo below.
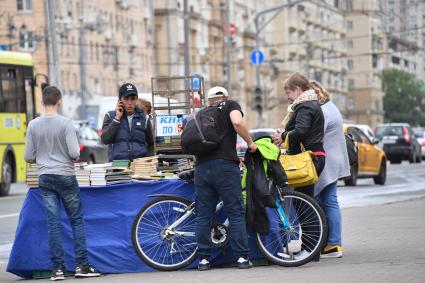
(117, 175)
(145, 168)
(32, 176)
(175, 163)
(98, 173)
(82, 174)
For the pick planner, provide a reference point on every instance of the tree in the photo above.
(404, 99)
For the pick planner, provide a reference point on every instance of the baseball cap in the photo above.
(217, 91)
(127, 89)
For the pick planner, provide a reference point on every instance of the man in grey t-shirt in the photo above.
(52, 143)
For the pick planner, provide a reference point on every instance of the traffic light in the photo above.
(258, 100)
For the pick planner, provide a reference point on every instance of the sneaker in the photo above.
(57, 274)
(86, 271)
(332, 252)
(244, 263)
(203, 265)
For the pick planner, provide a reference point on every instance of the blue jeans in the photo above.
(54, 189)
(328, 199)
(215, 179)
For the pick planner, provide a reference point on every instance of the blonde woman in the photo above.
(337, 166)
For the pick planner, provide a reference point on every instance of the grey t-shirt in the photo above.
(52, 143)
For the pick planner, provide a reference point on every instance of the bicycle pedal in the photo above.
(283, 255)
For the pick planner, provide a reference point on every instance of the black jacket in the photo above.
(125, 143)
(305, 126)
(261, 189)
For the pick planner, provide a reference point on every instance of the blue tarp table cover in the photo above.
(109, 212)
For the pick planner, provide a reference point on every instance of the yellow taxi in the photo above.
(371, 160)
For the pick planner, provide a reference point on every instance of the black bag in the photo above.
(351, 150)
(204, 132)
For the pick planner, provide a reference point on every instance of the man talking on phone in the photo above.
(127, 129)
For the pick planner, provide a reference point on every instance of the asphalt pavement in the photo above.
(383, 236)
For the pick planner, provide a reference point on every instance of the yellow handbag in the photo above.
(299, 167)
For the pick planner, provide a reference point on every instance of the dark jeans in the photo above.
(319, 164)
(54, 189)
(215, 179)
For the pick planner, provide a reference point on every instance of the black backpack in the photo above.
(203, 132)
(351, 150)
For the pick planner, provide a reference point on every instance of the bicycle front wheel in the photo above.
(159, 247)
(302, 240)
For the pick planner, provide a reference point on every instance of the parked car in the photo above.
(371, 159)
(399, 142)
(92, 150)
(420, 136)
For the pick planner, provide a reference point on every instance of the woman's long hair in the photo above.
(322, 94)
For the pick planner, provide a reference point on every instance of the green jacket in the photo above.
(268, 150)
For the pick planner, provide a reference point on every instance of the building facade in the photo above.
(308, 38)
(405, 24)
(366, 60)
(117, 45)
(207, 45)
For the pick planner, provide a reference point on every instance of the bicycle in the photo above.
(163, 231)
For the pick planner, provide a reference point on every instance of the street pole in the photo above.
(229, 49)
(186, 39)
(154, 43)
(82, 57)
(53, 57)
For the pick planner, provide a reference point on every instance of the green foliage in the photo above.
(404, 99)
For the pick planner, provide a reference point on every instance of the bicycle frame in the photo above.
(189, 211)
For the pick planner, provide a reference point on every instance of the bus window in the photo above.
(8, 85)
(29, 99)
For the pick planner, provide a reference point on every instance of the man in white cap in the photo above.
(217, 175)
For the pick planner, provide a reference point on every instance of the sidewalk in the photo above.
(382, 243)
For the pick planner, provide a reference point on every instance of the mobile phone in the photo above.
(121, 107)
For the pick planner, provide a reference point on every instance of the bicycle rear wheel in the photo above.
(153, 245)
(305, 238)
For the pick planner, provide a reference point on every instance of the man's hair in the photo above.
(51, 95)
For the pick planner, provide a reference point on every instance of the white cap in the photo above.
(217, 91)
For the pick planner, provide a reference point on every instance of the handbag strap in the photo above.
(286, 144)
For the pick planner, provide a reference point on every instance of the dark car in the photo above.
(92, 150)
(399, 142)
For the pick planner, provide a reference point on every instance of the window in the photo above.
(395, 60)
(363, 137)
(26, 39)
(349, 25)
(350, 64)
(349, 5)
(375, 60)
(24, 5)
(351, 84)
(336, 3)
(350, 44)
(9, 87)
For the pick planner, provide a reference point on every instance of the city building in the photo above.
(108, 41)
(405, 27)
(207, 45)
(308, 38)
(366, 56)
